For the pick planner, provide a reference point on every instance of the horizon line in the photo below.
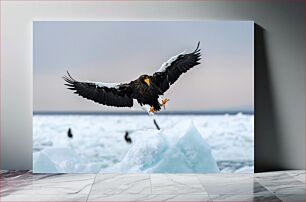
(142, 112)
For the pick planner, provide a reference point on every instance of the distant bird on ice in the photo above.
(69, 133)
(145, 92)
(127, 137)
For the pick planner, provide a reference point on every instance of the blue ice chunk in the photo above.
(191, 154)
(42, 164)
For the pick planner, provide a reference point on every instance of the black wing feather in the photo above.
(163, 79)
(117, 97)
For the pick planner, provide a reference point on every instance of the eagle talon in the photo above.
(164, 102)
(152, 110)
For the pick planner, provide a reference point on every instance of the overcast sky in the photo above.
(119, 52)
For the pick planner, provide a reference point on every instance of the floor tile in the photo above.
(292, 197)
(117, 184)
(225, 177)
(287, 186)
(298, 175)
(260, 189)
(49, 184)
(15, 180)
(277, 175)
(245, 198)
(173, 184)
(174, 198)
(150, 197)
(3, 171)
(231, 184)
(287, 189)
(43, 198)
(282, 183)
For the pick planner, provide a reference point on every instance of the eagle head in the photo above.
(146, 79)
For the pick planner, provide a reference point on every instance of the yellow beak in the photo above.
(148, 82)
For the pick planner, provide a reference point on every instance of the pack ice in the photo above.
(179, 149)
(62, 160)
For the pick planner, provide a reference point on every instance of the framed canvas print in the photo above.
(143, 97)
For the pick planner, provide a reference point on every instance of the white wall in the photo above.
(280, 110)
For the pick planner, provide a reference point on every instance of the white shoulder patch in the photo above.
(107, 85)
(169, 62)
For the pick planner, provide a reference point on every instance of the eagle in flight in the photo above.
(145, 92)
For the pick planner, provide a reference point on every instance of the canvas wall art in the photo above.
(143, 97)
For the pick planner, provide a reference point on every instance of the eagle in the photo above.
(146, 92)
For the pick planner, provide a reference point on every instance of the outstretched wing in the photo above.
(171, 70)
(116, 95)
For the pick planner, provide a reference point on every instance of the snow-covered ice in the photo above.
(186, 143)
(62, 160)
(156, 152)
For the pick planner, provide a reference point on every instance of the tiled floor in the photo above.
(272, 186)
